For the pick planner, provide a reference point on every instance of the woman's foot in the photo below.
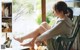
(18, 39)
(30, 44)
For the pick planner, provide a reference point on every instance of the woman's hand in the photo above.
(38, 42)
(18, 39)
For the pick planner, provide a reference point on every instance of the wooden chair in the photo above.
(65, 43)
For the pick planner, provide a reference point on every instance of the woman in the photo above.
(50, 42)
(44, 32)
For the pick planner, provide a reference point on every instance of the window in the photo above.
(24, 15)
(50, 18)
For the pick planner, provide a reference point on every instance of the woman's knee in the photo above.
(44, 23)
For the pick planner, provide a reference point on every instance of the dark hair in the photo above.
(61, 6)
(70, 11)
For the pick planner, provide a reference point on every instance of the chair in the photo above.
(65, 43)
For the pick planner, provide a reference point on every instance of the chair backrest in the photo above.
(76, 28)
(74, 33)
(65, 43)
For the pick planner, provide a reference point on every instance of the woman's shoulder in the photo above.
(66, 21)
(60, 20)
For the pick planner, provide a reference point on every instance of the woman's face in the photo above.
(57, 13)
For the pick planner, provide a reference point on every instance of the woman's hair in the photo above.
(61, 6)
(70, 11)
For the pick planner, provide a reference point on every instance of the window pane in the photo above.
(49, 12)
(25, 13)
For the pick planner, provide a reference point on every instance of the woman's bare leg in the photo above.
(46, 27)
(41, 29)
